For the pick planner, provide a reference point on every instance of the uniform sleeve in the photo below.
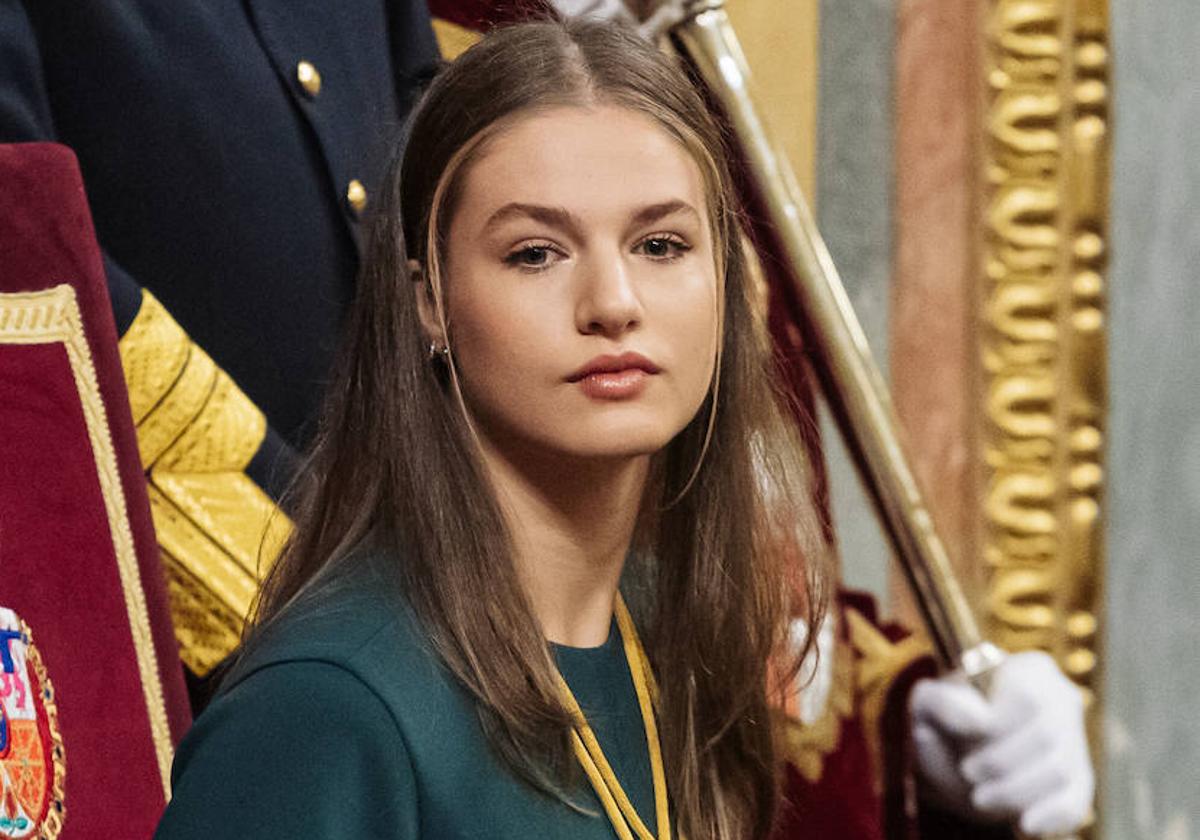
(300, 749)
(215, 467)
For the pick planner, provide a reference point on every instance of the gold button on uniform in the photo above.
(356, 196)
(308, 77)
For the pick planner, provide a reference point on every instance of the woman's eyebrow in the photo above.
(558, 217)
(660, 210)
(564, 219)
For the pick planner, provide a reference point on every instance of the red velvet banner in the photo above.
(83, 610)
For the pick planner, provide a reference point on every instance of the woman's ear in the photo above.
(426, 304)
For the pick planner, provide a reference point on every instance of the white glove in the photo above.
(1019, 756)
(660, 16)
(596, 9)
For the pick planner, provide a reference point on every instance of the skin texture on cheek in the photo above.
(581, 235)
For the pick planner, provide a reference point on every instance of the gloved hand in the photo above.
(1019, 756)
(651, 18)
(597, 9)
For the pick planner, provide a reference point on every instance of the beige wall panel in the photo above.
(780, 41)
(933, 292)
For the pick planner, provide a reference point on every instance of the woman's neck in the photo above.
(572, 523)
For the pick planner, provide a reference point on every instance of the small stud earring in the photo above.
(436, 350)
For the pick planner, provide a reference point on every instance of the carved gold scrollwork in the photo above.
(1044, 214)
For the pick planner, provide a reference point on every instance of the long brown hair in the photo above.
(714, 571)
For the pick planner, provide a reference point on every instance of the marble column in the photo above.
(1153, 673)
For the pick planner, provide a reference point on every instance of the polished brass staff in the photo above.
(850, 381)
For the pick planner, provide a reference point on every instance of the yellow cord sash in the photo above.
(620, 810)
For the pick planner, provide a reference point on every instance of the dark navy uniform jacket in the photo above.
(223, 145)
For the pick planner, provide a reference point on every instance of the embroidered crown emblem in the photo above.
(32, 758)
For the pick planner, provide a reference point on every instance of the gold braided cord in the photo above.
(592, 758)
(610, 785)
(636, 656)
(642, 658)
(218, 531)
(51, 317)
(601, 787)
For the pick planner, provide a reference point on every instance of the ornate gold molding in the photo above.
(1045, 159)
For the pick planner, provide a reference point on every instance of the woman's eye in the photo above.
(533, 256)
(663, 247)
(530, 256)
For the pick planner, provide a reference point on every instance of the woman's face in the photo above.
(579, 285)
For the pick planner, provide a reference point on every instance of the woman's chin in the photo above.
(612, 445)
(630, 432)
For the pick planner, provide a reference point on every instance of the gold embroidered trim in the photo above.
(52, 825)
(179, 407)
(807, 745)
(880, 661)
(51, 317)
(204, 625)
(154, 361)
(218, 531)
(453, 40)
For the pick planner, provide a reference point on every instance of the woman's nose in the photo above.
(608, 303)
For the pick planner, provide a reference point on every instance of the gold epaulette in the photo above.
(217, 530)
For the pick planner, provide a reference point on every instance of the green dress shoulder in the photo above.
(342, 723)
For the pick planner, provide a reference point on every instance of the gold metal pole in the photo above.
(851, 382)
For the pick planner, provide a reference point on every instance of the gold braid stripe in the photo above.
(880, 662)
(453, 40)
(218, 531)
(51, 317)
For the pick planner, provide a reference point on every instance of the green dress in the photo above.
(341, 723)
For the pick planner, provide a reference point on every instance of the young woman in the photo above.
(550, 540)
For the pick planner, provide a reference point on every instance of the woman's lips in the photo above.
(614, 377)
(615, 385)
